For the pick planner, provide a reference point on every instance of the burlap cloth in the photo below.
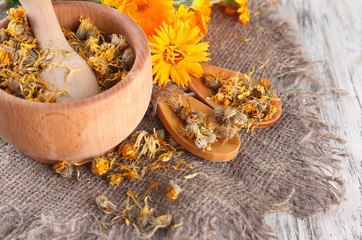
(291, 166)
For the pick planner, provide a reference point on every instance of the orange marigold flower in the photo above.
(244, 15)
(177, 53)
(202, 9)
(184, 14)
(149, 14)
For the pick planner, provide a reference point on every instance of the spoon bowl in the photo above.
(202, 92)
(219, 152)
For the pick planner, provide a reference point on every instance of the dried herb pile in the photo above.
(244, 100)
(197, 126)
(22, 61)
(138, 155)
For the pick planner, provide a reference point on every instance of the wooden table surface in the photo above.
(331, 31)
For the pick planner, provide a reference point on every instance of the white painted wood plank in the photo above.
(331, 30)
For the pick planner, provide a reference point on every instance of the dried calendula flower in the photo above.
(192, 130)
(197, 127)
(147, 144)
(128, 59)
(201, 142)
(15, 29)
(100, 166)
(212, 82)
(6, 57)
(218, 112)
(175, 104)
(85, 25)
(107, 52)
(105, 205)
(114, 178)
(228, 132)
(162, 221)
(173, 190)
(127, 151)
(118, 41)
(145, 214)
(16, 14)
(98, 65)
(130, 173)
(245, 101)
(64, 168)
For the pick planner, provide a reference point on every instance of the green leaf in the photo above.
(12, 3)
(231, 4)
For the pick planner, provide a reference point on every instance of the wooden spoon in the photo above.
(197, 85)
(81, 83)
(219, 152)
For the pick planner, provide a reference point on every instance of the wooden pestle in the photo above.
(81, 83)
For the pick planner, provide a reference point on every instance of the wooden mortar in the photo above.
(84, 129)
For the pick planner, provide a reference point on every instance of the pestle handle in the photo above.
(44, 23)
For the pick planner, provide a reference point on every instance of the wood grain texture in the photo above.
(87, 128)
(331, 31)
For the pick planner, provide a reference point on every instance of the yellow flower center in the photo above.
(174, 54)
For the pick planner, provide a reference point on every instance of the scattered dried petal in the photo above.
(173, 190)
(195, 174)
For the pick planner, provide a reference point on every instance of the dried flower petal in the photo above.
(173, 190)
(145, 215)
